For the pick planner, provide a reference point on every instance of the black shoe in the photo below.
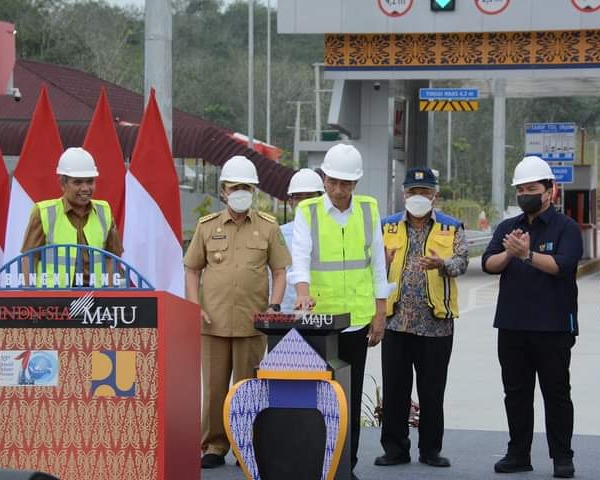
(387, 460)
(434, 460)
(564, 468)
(212, 460)
(510, 464)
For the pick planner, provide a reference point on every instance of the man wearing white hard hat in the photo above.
(304, 184)
(339, 266)
(75, 218)
(536, 255)
(226, 273)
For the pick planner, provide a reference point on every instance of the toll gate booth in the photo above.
(580, 205)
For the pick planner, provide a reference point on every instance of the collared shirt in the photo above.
(530, 299)
(302, 247)
(234, 260)
(35, 236)
(289, 297)
(412, 313)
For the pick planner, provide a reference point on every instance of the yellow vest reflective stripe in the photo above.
(59, 230)
(341, 279)
(442, 291)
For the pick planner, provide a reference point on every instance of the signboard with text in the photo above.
(448, 93)
(563, 173)
(554, 142)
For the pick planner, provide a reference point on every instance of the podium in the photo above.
(291, 421)
(98, 385)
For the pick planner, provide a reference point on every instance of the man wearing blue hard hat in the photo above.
(425, 251)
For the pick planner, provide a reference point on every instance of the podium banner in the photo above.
(83, 384)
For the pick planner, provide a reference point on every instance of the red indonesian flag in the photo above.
(102, 142)
(3, 205)
(152, 233)
(35, 177)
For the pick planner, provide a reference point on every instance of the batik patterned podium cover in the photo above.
(292, 359)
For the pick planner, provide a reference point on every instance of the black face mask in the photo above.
(530, 203)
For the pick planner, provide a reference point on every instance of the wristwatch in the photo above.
(529, 258)
(275, 307)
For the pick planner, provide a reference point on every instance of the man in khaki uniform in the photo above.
(226, 272)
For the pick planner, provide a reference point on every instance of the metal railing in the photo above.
(477, 241)
(72, 267)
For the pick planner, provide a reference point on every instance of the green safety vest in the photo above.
(341, 278)
(58, 230)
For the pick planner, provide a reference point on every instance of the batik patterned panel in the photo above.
(66, 431)
(572, 48)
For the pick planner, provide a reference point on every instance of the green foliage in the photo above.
(472, 138)
(209, 55)
(372, 409)
(465, 210)
(204, 208)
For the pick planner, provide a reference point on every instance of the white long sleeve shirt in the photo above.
(302, 247)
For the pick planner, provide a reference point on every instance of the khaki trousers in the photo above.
(222, 358)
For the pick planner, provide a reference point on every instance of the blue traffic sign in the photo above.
(554, 142)
(448, 93)
(563, 174)
(550, 128)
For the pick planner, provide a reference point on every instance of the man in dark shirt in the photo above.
(536, 254)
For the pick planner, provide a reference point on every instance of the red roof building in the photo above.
(74, 94)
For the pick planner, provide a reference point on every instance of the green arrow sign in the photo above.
(443, 5)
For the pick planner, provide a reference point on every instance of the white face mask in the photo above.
(240, 200)
(418, 205)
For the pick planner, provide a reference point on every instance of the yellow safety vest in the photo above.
(442, 291)
(341, 279)
(59, 230)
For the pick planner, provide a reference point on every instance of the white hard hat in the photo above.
(305, 180)
(531, 169)
(238, 169)
(77, 162)
(343, 162)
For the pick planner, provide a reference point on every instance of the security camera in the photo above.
(376, 86)
(16, 94)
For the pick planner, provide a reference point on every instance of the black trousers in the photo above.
(352, 349)
(522, 354)
(430, 357)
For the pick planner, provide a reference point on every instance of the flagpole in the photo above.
(158, 63)
(268, 72)
(251, 73)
